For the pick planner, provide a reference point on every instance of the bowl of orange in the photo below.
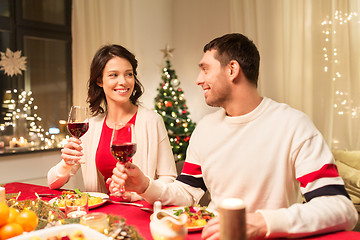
(14, 223)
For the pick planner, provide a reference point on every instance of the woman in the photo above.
(113, 93)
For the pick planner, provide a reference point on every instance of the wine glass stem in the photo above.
(122, 188)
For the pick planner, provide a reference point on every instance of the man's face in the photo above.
(213, 79)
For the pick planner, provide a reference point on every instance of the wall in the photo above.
(185, 25)
(33, 168)
(195, 24)
(152, 24)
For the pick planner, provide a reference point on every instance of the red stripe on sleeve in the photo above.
(328, 170)
(191, 169)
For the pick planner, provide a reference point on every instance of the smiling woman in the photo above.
(113, 97)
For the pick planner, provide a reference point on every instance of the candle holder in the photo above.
(97, 221)
(75, 208)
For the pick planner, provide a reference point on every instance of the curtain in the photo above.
(96, 23)
(309, 59)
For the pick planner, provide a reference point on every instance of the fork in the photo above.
(123, 203)
(48, 194)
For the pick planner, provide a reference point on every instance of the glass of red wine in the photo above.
(78, 121)
(123, 143)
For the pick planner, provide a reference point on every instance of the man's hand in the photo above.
(255, 227)
(129, 176)
(211, 230)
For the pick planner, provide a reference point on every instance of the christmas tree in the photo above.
(171, 105)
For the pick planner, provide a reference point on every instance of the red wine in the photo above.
(123, 152)
(78, 129)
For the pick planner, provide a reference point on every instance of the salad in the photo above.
(77, 195)
(197, 216)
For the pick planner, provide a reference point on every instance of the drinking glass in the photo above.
(78, 121)
(96, 220)
(77, 207)
(123, 143)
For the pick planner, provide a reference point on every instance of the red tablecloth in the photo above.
(141, 219)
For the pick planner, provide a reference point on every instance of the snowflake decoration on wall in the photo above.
(12, 62)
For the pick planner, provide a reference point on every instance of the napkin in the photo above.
(2, 194)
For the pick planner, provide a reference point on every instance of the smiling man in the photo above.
(253, 148)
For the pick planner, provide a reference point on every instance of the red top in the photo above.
(105, 161)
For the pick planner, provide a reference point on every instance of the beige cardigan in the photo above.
(153, 156)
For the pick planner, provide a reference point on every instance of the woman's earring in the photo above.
(134, 92)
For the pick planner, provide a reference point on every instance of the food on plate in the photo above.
(76, 194)
(77, 235)
(197, 216)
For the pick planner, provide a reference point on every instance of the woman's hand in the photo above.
(71, 153)
(129, 176)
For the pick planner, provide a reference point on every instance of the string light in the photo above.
(331, 55)
(343, 105)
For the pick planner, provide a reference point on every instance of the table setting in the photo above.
(135, 216)
(126, 218)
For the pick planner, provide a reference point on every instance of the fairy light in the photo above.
(343, 105)
(331, 55)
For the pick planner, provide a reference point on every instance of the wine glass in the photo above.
(78, 121)
(123, 143)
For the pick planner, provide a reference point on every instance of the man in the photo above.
(253, 148)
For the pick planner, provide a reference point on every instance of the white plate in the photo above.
(94, 194)
(170, 210)
(44, 234)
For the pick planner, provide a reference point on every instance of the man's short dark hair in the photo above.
(235, 46)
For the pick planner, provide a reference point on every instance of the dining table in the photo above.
(136, 217)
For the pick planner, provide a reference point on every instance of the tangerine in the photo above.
(13, 214)
(10, 230)
(27, 219)
(4, 213)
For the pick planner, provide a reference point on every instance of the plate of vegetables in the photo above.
(197, 216)
(96, 199)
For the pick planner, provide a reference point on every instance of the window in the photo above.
(41, 30)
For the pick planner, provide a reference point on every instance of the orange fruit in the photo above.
(27, 219)
(10, 230)
(13, 214)
(4, 213)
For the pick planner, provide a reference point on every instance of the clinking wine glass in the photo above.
(78, 121)
(123, 144)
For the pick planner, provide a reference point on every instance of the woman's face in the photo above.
(118, 80)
